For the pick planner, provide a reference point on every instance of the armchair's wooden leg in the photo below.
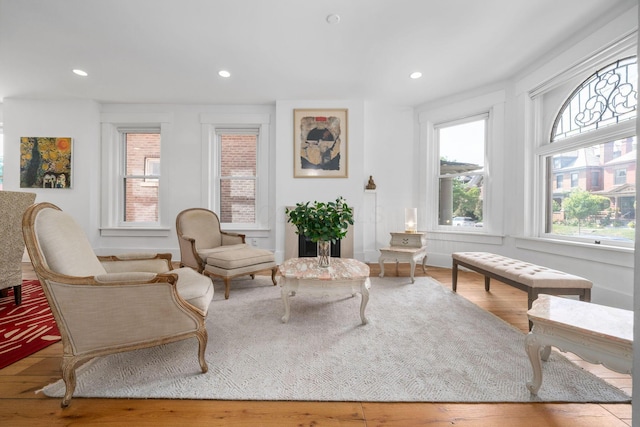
(69, 365)
(273, 275)
(227, 287)
(253, 276)
(202, 346)
(17, 294)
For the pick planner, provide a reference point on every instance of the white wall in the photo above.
(79, 120)
(380, 143)
(384, 141)
(384, 150)
(610, 270)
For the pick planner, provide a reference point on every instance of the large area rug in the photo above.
(27, 328)
(422, 343)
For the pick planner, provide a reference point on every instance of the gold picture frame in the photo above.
(320, 143)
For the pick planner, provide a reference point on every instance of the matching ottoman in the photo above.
(232, 261)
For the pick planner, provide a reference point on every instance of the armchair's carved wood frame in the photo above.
(189, 256)
(110, 298)
(189, 253)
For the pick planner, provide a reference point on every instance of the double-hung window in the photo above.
(592, 139)
(237, 165)
(140, 176)
(235, 149)
(462, 157)
(133, 192)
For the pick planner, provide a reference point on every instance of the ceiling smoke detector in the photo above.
(333, 18)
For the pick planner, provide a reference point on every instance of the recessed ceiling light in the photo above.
(80, 72)
(333, 18)
(224, 73)
(415, 75)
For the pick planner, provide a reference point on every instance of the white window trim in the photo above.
(538, 145)
(112, 125)
(211, 124)
(475, 118)
(491, 104)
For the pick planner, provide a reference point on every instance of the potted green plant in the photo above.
(322, 222)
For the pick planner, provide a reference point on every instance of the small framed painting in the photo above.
(45, 162)
(320, 143)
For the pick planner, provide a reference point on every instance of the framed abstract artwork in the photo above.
(320, 143)
(45, 162)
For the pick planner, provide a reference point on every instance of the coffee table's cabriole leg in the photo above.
(364, 291)
(285, 299)
(532, 346)
(381, 262)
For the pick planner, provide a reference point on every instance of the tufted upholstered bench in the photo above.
(528, 277)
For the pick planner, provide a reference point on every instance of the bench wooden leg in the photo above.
(454, 276)
(487, 283)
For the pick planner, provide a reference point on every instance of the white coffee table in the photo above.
(343, 276)
(596, 333)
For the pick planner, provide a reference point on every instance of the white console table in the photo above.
(405, 247)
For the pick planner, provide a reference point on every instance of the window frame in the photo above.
(466, 120)
(114, 125)
(220, 131)
(493, 104)
(211, 124)
(542, 147)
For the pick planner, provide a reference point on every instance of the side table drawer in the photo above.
(411, 240)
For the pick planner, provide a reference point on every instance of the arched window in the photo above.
(606, 98)
(589, 160)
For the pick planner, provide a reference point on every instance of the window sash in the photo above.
(139, 189)
(444, 206)
(242, 209)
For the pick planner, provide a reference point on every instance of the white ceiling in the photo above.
(169, 51)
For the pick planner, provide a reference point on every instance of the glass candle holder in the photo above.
(410, 220)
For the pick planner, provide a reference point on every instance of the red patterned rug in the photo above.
(28, 327)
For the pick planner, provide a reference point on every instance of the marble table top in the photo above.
(597, 320)
(339, 269)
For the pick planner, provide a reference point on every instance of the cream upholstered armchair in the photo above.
(12, 206)
(105, 305)
(216, 253)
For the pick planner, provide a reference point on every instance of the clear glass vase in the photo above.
(324, 253)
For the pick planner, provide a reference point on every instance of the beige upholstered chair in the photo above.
(12, 206)
(211, 251)
(105, 305)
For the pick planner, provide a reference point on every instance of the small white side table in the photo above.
(343, 276)
(405, 247)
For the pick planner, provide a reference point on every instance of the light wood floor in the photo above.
(21, 406)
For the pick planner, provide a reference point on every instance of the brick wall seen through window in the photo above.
(141, 191)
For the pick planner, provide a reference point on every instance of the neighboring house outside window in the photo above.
(141, 176)
(593, 138)
(559, 179)
(238, 175)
